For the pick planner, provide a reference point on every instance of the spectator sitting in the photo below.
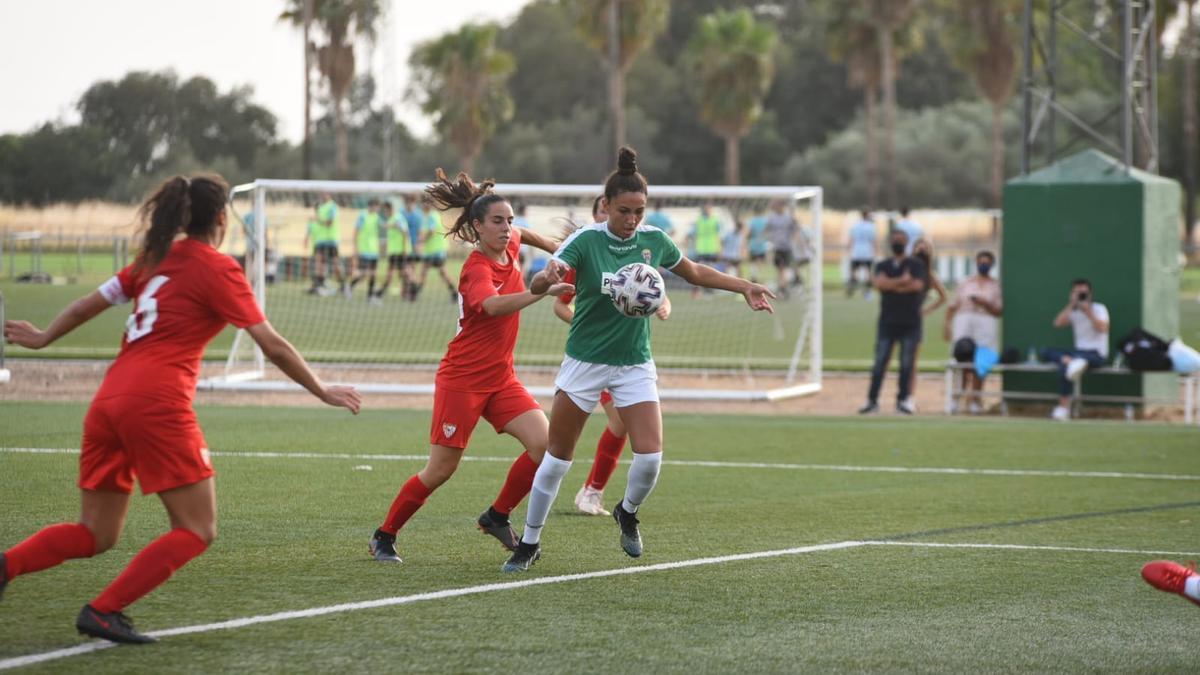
(1089, 322)
(901, 284)
(974, 314)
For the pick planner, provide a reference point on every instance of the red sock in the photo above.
(49, 547)
(517, 485)
(608, 451)
(412, 497)
(149, 568)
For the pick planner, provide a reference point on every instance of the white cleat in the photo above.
(591, 501)
(1061, 413)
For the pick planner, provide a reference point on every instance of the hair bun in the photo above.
(627, 161)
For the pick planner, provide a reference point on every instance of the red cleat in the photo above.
(1169, 576)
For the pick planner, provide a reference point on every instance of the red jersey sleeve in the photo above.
(232, 298)
(568, 278)
(476, 286)
(118, 290)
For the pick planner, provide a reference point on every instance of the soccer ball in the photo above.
(637, 290)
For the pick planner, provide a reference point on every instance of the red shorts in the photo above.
(158, 443)
(455, 413)
(605, 398)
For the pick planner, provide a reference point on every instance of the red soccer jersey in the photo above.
(568, 278)
(178, 309)
(480, 357)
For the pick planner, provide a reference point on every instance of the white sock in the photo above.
(1191, 587)
(546, 482)
(643, 474)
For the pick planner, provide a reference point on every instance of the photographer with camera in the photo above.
(1089, 322)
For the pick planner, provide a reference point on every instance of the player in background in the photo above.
(860, 247)
(141, 422)
(366, 249)
(910, 227)
(435, 244)
(476, 378)
(398, 248)
(657, 218)
(590, 498)
(733, 244)
(705, 239)
(782, 231)
(608, 350)
(1172, 577)
(323, 233)
(756, 243)
(520, 220)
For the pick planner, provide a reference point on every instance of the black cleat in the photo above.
(502, 531)
(522, 558)
(383, 547)
(869, 409)
(3, 574)
(114, 627)
(631, 538)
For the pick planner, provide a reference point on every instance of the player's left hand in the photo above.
(663, 311)
(24, 334)
(759, 297)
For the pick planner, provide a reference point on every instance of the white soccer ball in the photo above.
(637, 290)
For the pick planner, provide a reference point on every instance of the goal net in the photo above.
(711, 347)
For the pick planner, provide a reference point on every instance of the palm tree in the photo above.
(984, 45)
(340, 21)
(619, 30)
(851, 40)
(889, 16)
(461, 80)
(731, 61)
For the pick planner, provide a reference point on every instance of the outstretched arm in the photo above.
(547, 244)
(281, 352)
(757, 295)
(75, 315)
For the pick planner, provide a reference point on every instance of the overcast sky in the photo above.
(52, 50)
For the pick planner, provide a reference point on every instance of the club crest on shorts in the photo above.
(646, 255)
(449, 429)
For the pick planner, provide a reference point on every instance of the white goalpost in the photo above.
(712, 347)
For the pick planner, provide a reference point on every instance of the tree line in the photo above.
(883, 102)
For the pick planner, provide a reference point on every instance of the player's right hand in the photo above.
(343, 397)
(560, 288)
(24, 334)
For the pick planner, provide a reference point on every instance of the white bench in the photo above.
(1191, 389)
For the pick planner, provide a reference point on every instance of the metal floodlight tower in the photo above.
(1124, 34)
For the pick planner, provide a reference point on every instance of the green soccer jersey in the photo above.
(599, 333)
(368, 234)
(437, 245)
(398, 242)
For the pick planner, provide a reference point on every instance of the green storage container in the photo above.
(1087, 216)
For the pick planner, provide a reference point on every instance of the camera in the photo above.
(1081, 296)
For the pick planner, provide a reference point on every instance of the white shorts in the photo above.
(628, 385)
(983, 329)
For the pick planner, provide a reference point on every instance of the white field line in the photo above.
(18, 661)
(846, 468)
(31, 659)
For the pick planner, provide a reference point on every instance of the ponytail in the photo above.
(463, 193)
(180, 205)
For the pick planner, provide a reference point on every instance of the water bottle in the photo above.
(1031, 357)
(1119, 362)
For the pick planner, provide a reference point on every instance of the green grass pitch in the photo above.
(293, 534)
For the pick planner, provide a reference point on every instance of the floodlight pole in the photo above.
(1136, 140)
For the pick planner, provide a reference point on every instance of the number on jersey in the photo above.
(140, 323)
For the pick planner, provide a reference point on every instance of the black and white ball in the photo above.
(637, 290)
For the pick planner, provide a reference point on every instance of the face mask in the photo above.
(984, 268)
(898, 247)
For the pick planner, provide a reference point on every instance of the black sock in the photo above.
(497, 517)
(384, 536)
